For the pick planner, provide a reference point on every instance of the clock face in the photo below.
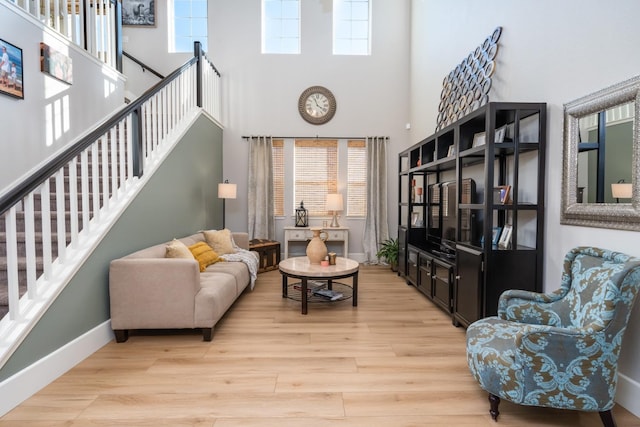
(317, 105)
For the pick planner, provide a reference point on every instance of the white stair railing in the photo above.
(71, 17)
(75, 201)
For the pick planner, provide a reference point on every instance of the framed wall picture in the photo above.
(56, 64)
(139, 13)
(11, 77)
(505, 237)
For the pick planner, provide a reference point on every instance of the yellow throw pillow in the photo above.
(204, 255)
(177, 249)
(220, 241)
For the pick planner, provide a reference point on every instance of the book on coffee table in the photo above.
(328, 293)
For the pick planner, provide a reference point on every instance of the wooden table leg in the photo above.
(284, 286)
(355, 289)
(303, 295)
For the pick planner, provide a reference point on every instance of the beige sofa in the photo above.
(149, 291)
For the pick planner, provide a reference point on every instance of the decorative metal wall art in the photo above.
(467, 86)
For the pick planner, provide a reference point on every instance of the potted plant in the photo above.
(389, 251)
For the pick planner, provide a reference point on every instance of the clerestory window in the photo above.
(187, 25)
(281, 26)
(351, 27)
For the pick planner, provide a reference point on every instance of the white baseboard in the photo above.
(24, 384)
(627, 394)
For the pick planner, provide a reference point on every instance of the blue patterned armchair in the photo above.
(559, 349)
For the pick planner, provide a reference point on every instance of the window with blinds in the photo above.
(277, 153)
(315, 174)
(356, 178)
(316, 168)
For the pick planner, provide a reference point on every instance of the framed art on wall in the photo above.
(56, 64)
(11, 79)
(139, 13)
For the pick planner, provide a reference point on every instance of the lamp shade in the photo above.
(226, 190)
(334, 202)
(621, 190)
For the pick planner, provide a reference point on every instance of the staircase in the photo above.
(46, 240)
(50, 223)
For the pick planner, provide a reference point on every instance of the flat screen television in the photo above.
(449, 213)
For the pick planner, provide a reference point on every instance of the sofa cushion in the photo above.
(204, 255)
(220, 240)
(238, 270)
(217, 293)
(177, 249)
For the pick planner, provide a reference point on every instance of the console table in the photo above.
(303, 234)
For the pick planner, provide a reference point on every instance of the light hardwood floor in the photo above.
(395, 360)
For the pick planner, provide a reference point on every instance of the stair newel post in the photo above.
(118, 33)
(136, 142)
(197, 52)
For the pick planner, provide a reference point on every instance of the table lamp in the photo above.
(334, 203)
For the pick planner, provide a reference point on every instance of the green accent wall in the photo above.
(179, 199)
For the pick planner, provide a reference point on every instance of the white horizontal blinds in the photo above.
(316, 174)
(356, 178)
(277, 154)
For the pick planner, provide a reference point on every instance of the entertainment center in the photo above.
(471, 209)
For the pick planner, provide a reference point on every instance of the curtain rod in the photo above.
(315, 137)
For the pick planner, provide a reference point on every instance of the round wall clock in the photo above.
(317, 105)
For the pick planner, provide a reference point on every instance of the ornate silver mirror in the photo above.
(601, 165)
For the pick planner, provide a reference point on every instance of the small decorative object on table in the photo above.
(316, 249)
(302, 219)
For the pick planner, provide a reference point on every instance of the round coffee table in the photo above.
(301, 268)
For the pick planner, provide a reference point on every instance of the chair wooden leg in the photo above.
(607, 419)
(494, 401)
(207, 334)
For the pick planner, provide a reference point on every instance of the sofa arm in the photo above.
(150, 293)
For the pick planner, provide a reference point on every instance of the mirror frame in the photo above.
(623, 216)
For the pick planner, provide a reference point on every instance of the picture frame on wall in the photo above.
(56, 64)
(505, 237)
(139, 13)
(11, 70)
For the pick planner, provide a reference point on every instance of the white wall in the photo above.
(550, 51)
(261, 91)
(30, 134)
